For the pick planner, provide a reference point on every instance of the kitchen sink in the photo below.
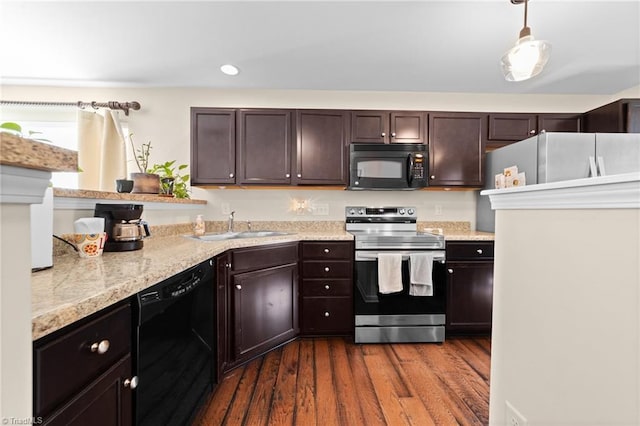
(231, 235)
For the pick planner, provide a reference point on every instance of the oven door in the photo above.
(397, 317)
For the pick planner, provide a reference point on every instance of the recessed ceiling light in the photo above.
(229, 69)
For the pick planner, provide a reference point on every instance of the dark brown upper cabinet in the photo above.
(457, 148)
(321, 148)
(622, 116)
(264, 146)
(388, 126)
(505, 128)
(213, 146)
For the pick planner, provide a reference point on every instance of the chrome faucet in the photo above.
(249, 225)
(230, 227)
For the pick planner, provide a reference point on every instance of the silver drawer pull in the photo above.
(479, 251)
(230, 175)
(238, 286)
(450, 271)
(326, 286)
(101, 347)
(326, 269)
(131, 383)
(326, 314)
(326, 250)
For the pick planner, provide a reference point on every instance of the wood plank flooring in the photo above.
(331, 381)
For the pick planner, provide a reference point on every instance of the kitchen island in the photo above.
(566, 312)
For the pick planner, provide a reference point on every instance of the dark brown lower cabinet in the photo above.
(83, 373)
(326, 288)
(107, 401)
(265, 310)
(469, 287)
(257, 305)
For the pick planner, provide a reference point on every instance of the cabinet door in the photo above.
(264, 147)
(223, 266)
(559, 122)
(213, 146)
(105, 402)
(265, 309)
(469, 296)
(407, 127)
(632, 119)
(456, 149)
(512, 127)
(321, 147)
(370, 126)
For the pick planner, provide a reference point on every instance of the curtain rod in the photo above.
(124, 106)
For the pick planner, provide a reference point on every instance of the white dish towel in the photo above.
(420, 271)
(389, 273)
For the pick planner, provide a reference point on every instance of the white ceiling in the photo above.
(425, 46)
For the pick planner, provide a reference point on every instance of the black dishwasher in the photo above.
(176, 346)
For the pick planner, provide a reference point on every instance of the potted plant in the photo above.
(145, 182)
(172, 182)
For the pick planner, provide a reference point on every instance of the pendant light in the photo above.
(527, 58)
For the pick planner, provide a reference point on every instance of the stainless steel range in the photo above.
(397, 316)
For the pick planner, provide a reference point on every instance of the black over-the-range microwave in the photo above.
(387, 166)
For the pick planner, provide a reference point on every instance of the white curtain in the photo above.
(101, 150)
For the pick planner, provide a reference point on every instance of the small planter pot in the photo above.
(124, 185)
(145, 183)
(166, 186)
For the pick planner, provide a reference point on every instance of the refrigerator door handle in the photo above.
(592, 166)
(601, 166)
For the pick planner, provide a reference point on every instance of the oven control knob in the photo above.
(401, 211)
(411, 212)
(352, 211)
(361, 211)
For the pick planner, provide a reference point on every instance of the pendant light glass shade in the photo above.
(526, 59)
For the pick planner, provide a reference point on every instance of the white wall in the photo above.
(164, 120)
(566, 319)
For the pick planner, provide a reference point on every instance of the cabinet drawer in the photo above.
(327, 287)
(254, 258)
(327, 250)
(326, 269)
(67, 363)
(330, 315)
(469, 250)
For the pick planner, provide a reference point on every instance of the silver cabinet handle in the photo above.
(101, 347)
(532, 132)
(326, 250)
(230, 175)
(383, 134)
(131, 383)
(238, 286)
(433, 176)
(326, 314)
(450, 271)
(299, 175)
(287, 175)
(326, 286)
(227, 265)
(326, 269)
(393, 134)
(479, 251)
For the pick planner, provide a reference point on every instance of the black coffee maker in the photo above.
(125, 230)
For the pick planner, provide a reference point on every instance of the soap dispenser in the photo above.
(199, 227)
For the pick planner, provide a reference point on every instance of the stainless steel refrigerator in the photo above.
(553, 157)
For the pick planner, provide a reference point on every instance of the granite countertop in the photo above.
(75, 287)
(29, 154)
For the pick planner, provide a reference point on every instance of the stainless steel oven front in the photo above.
(395, 317)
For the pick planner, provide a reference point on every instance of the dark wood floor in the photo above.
(331, 381)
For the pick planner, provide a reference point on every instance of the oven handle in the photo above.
(438, 255)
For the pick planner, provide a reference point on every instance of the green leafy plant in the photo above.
(169, 170)
(141, 155)
(16, 129)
